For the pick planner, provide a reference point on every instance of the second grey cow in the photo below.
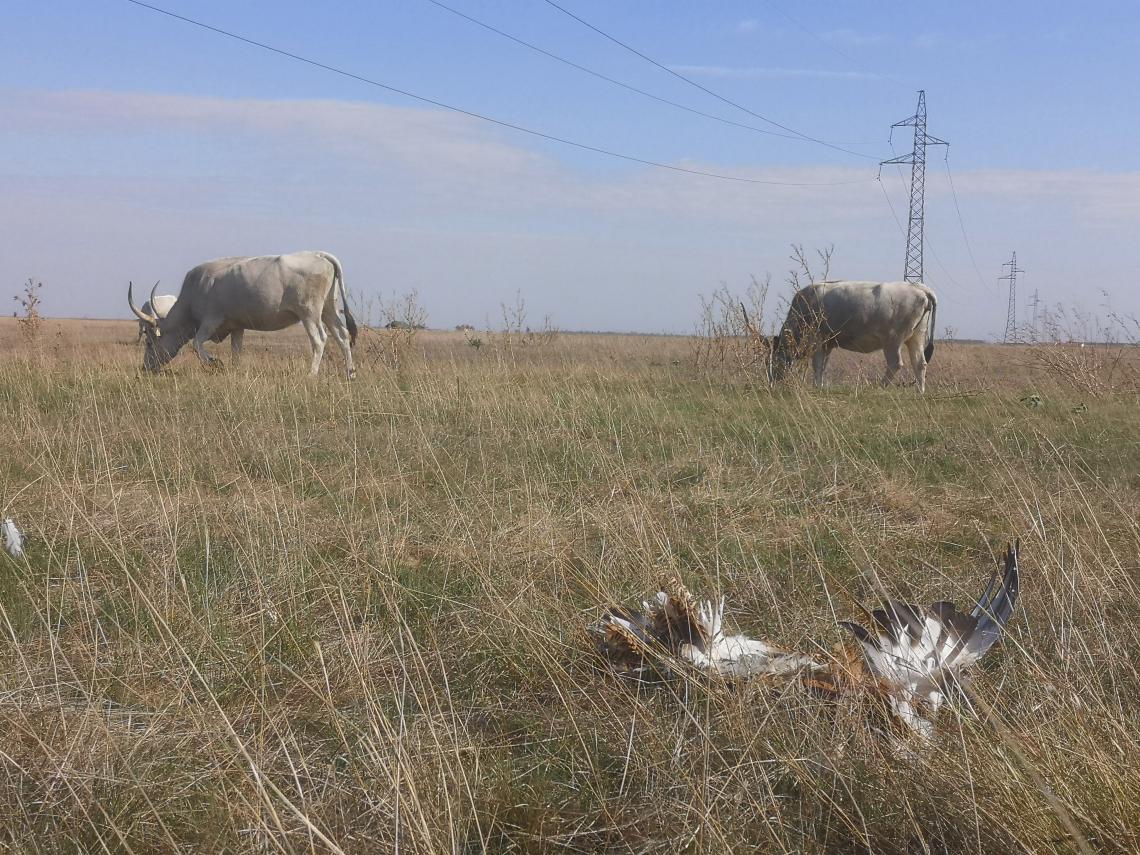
(158, 305)
(228, 296)
(859, 316)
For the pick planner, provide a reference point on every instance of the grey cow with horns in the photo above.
(228, 296)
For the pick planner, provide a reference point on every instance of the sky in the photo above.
(134, 146)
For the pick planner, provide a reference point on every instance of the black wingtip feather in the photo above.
(995, 607)
(1010, 584)
(1002, 606)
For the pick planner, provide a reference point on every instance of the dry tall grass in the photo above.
(260, 613)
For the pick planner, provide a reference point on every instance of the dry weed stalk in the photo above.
(514, 335)
(730, 332)
(1095, 366)
(391, 345)
(30, 320)
(804, 269)
(730, 337)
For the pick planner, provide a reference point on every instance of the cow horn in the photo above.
(153, 308)
(146, 319)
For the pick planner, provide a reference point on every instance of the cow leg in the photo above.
(915, 347)
(894, 360)
(317, 337)
(339, 331)
(205, 332)
(236, 343)
(819, 364)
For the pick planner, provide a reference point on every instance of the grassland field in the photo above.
(264, 613)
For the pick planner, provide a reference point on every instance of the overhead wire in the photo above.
(607, 78)
(701, 87)
(482, 116)
(938, 261)
(891, 205)
(780, 10)
(962, 223)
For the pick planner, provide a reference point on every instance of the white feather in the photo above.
(914, 672)
(911, 666)
(737, 655)
(13, 539)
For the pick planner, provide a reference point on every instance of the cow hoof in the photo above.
(352, 374)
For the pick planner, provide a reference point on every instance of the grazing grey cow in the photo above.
(859, 316)
(228, 296)
(159, 306)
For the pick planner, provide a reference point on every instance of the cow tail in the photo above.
(338, 279)
(928, 353)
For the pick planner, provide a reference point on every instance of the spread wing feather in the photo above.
(916, 649)
(993, 610)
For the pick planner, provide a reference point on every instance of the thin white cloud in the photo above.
(928, 41)
(1098, 198)
(925, 41)
(724, 71)
(410, 135)
(427, 148)
(416, 197)
(854, 38)
(748, 25)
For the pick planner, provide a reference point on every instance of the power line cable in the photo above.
(891, 205)
(962, 223)
(607, 78)
(500, 122)
(942, 266)
(779, 9)
(699, 86)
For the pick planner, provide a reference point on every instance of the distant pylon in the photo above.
(917, 160)
(1011, 313)
(1035, 302)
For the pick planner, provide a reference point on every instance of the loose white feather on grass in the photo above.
(13, 538)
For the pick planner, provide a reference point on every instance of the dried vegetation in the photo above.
(264, 614)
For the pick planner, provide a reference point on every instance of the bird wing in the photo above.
(912, 647)
(992, 611)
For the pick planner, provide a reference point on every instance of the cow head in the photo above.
(780, 356)
(159, 350)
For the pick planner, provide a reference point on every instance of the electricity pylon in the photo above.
(917, 161)
(1011, 313)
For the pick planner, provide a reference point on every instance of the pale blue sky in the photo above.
(134, 146)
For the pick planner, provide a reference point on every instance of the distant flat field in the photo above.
(1014, 366)
(260, 612)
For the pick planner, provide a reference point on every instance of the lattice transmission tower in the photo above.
(1033, 317)
(1011, 313)
(917, 161)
